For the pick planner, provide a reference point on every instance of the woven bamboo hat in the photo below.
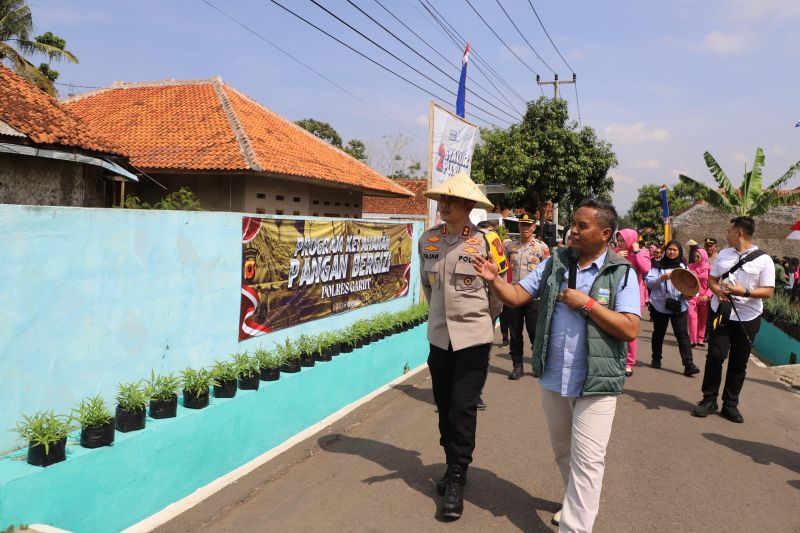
(460, 186)
(686, 282)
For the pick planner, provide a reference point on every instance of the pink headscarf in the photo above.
(703, 267)
(629, 236)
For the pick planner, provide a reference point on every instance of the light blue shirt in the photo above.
(566, 366)
(661, 290)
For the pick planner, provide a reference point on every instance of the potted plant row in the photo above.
(162, 390)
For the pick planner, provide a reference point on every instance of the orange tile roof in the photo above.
(37, 115)
(208, 125)
(417, 205)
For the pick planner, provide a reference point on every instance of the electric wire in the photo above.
(501, 39)
(312, 69)
(384, 50)
(548, 37)
(437, 52)
(431, 63)
(373, 61)
(523, 36)
(442, 21)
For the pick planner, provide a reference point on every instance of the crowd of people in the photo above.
(580, 304)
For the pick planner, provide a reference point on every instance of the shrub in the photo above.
(92, 412)
(131, 396)
(161, 387)
(44, 428)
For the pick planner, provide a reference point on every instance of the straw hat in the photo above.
(686, 282)
(691, 242)
(460, 186)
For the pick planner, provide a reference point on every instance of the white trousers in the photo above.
(579, 433)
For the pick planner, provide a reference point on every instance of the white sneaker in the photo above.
(556, 518)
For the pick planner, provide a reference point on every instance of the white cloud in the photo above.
(645, 163)
(623, 178)
(576, 54)
(747, 10)
(636, 133)
(777, 150)
(726, 43)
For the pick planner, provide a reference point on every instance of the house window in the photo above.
(315, 215)
(326, 202)
(334, 215)
(315, 202)
(261, 195)
(296, 199)
(279, 211)
(296, 213)
(279, 197)
(347, 204)
(337, 204)
(355, 205)
(261, 211)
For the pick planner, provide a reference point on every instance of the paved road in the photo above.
(666, 471)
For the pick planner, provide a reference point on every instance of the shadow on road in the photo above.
(422, 395)
(657, 400)
(761, 453)
(767, 383)
(484, 489)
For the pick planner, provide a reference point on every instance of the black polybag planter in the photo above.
(270, 374)
(290, 367)
(346, 348)
(250, 382)
(164, 408)
(225, 389)
(56, 453)
(97, 436)
(126, 420)
(335, 349)
(307, 359)
(194, 400)
(324, 355)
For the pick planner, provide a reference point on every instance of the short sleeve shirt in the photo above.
(759, 272)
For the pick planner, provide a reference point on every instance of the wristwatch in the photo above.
(586, 308)
(747, 293)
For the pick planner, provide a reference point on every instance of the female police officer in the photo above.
(462, 312)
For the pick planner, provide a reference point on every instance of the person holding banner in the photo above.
(461, 317)
(588, 311)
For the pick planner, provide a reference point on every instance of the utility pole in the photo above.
(556, 83)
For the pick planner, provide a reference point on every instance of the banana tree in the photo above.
(750, 199)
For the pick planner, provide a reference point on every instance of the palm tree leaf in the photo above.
(712, 196)
(753, 179)
(52, 51)
(722, 180)
(15, 20)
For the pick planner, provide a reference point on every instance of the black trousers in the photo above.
(458, 378)
(504, 321)
(679, 327)
(726, 339)
(526, 316)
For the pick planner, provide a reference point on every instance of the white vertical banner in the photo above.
(451, 143)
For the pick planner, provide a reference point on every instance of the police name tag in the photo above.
(603, 296)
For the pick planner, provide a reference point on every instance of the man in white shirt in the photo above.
(744, 289)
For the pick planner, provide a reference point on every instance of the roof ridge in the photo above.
(239, 132)
(142, 84)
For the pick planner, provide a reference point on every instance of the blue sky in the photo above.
(661, 81)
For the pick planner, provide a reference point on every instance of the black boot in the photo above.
(517, 372)
(690, 369)
(440, 485)
(453, 504)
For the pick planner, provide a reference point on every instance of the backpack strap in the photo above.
(755, 254)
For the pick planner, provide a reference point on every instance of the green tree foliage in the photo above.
(545, 157)
(646, 210)
(750, 199)
(181, 200)
(355, 147)
(16, 25)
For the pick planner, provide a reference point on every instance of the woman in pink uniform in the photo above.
(628, 247)
(698, 306)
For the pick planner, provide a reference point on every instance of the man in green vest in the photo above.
(580, 349)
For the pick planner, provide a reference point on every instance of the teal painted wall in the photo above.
(93, 297)
(108, 489)
(774, 345)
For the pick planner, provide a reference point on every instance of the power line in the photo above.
(548, 37)
(460, 42)
(487, 91)
(312, 69)
(78, 86)
(383, 49)
(501, 39)
(523, 36)
(401, 41)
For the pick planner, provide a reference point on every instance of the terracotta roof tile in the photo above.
(207, 125)
(417, 205)
(39, 116)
